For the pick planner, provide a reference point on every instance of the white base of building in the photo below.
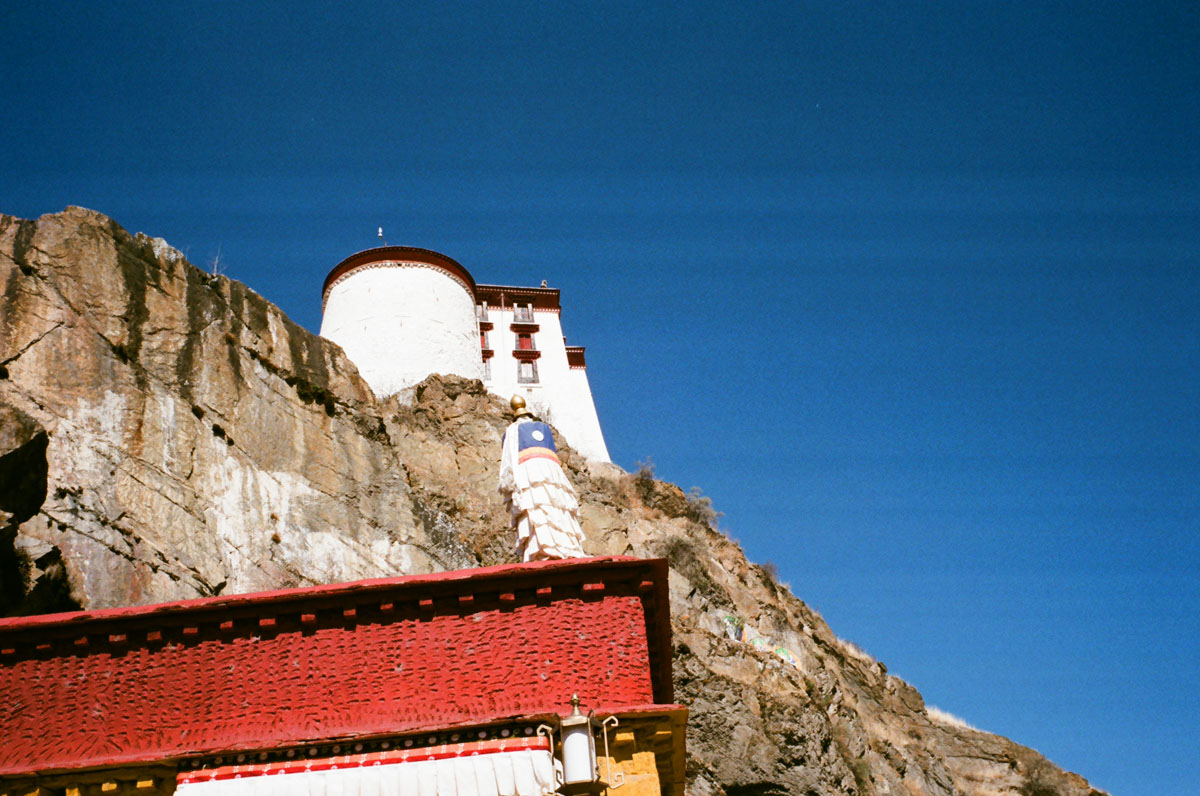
(523, 773)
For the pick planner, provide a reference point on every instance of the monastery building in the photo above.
(402, 313)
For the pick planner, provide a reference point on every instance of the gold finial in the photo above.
(518, 406)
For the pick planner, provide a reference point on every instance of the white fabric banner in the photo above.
(524, 773)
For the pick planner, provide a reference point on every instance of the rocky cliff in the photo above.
(166, 434)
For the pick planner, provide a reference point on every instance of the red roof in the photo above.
(401, 253)
(135, 685)
(540, 298)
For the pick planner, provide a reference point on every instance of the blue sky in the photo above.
(911, 290)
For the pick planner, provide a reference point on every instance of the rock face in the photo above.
(167, 434)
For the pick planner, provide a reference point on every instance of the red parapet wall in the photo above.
(128, 686)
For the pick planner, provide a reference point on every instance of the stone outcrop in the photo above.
(166, 434)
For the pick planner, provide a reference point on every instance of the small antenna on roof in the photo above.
(381, 236)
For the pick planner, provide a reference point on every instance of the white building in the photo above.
(402, 313)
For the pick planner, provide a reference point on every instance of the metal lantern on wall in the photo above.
(580, 767)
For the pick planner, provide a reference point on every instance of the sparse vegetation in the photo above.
(861, 770)
(215, 266)
(700, 508)
(822, 699)
(685, 556)
(671, 500)
(944, 717)
(643, 480)
(769, 571)
(855, 651)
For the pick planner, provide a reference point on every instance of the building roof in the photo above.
(541, 298)
(385, 254)
(129, 686)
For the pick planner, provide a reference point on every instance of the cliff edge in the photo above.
(166, 434)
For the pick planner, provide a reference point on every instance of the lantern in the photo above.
(581, 773)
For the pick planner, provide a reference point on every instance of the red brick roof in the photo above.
(134, 685)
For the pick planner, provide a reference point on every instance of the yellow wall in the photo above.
(152, 782)
(631, 753)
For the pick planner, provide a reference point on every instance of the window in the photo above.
(487, 370)
(527, 372)
(483, 343)
(523, 313)
(481, 311)
(525, 341)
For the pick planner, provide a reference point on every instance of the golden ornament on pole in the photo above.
(518, 406)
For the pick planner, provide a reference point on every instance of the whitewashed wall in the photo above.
(401, 321)
(562, 396)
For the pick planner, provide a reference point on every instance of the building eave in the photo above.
(245, 635)
(383, 254)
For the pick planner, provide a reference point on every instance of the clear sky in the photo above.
(912, 290)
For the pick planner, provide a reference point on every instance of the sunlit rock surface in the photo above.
(166, 434)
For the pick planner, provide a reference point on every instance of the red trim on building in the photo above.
(575, 356)
(527, 327)
(504, 296)
(385, 254)
(390, 757)
(526, 354)
(131, 686)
